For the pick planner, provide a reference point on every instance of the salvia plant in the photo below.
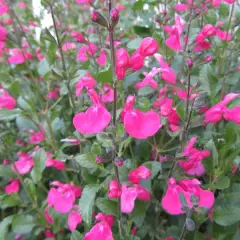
(119, 119)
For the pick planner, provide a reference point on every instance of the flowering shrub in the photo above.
(120, 120)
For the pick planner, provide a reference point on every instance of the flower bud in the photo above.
(114, 14)
(208, 59)
(148, 47)
(198, 11)
(118, 162)
(98, 18)
(99, 159)
(190, 62)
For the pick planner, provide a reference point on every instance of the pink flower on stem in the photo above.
(85, 122)
(108, 94)
(87, 82)
(83, 1)
(54, 94)
(74, 218)
(148, 47)
(100, 231)
(6, 100)
(171, 202)
(215, 113)
(122, 62)
(139, 173)
(3, 33)
(136, 61)
(37, 137)
(193, 164)
(109, 219)
(86, 51)
(147, 82)
(138, 124)
(59, 165)
(13, 186)
(128, 197)
(102, 59)
(48, 217)
(78, 36)
(67, 46)
(232, 114)
(24, 164)
(18, 56)
(114, 189)
(39, 55)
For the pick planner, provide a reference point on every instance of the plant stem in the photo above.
(71, 100)
(188, 215)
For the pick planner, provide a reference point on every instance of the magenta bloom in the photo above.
(59, 165)
(78, 36)
(18, 56)
(3, 8)
(87, 82)
(215, 113)
(102, 59)
(139, 173)
(48, 217)
(122, 62)
(3, 33)
(148, 47)
(37, 137)
(95, 119)
(148, 81)
(101, 231)
(193, 164)
(13, 186)
(86, 50)
(68, 46)
(108, 94)
(171, 202)
(83, 1)
(109, 219)
(6, 100)
(74, 218)
(24, 163)
(63, 197)
(114, 189)
(138, 124)
(232, 114)
(136, 61)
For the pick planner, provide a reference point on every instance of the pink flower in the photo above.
(138, 124)
(39, 55)
(109, 219)
(3, 33)
(63, 197)
(232, 114)
(18, 56)
(181, 7)
(78, 36)
(13, 186)
(54, 94)
(192, 165)
(87, 82)
(102, 59)
(83, 1)
(148, 47)
(108, 95)
(122, 62)
(147, 82)
(100, 231)
(136, 61)
(48, 217)
(22, 5)
(49, 234)
(171, 202)
(85, 51)
(24, 163)
(95, 119)
(3, 8)
(168, 73)
(68, 46)
(6, 100)
(37, 137)
(128, 197)
(74, 218)
(114, 189)
(182, 94)
(215, 113)
(139, 173)
(59, 165)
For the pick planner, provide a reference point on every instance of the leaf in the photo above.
(87, 161)
(86, 202)
(7, 115)
(96, 149)
(108, 206)
(48, 36)
(76, 236)
(236, 235)
(222, 182)
(6, 172)
(11, 200)
(51, 54)
(225, 215)
(142, 31)
(4, 224)
(105, 76)
(134, 44)
(214, 153)
(22, 224)
(43, 67)
(39, 166)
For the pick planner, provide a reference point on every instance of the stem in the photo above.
(71, 100)
(189, 214)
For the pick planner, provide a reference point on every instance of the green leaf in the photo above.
(86, 202)
(11, 200)
(39, 166)
(222, 182)
(4, 224)
(142, 31)
(22, 224)
(105, 76)
(225, 215)
(6, 172)
(7, 115)
(43, 67)
(96, 149)
(134, 44)
(48, 36)
(107, 206)
(51, 54)
(87, 161)
(76, 236)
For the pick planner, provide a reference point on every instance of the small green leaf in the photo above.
(96, 149)
(7, 115)
(4, 224)
(107, 206)
(39, 166)
(76, 236)
(222, 182)
(87, 160)
(105, 75)
(11, 200)
(134, 44)
(43, 67)
(86, 202)
(183, 200)
(6, 172)
(22, 224)
(154, 167)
